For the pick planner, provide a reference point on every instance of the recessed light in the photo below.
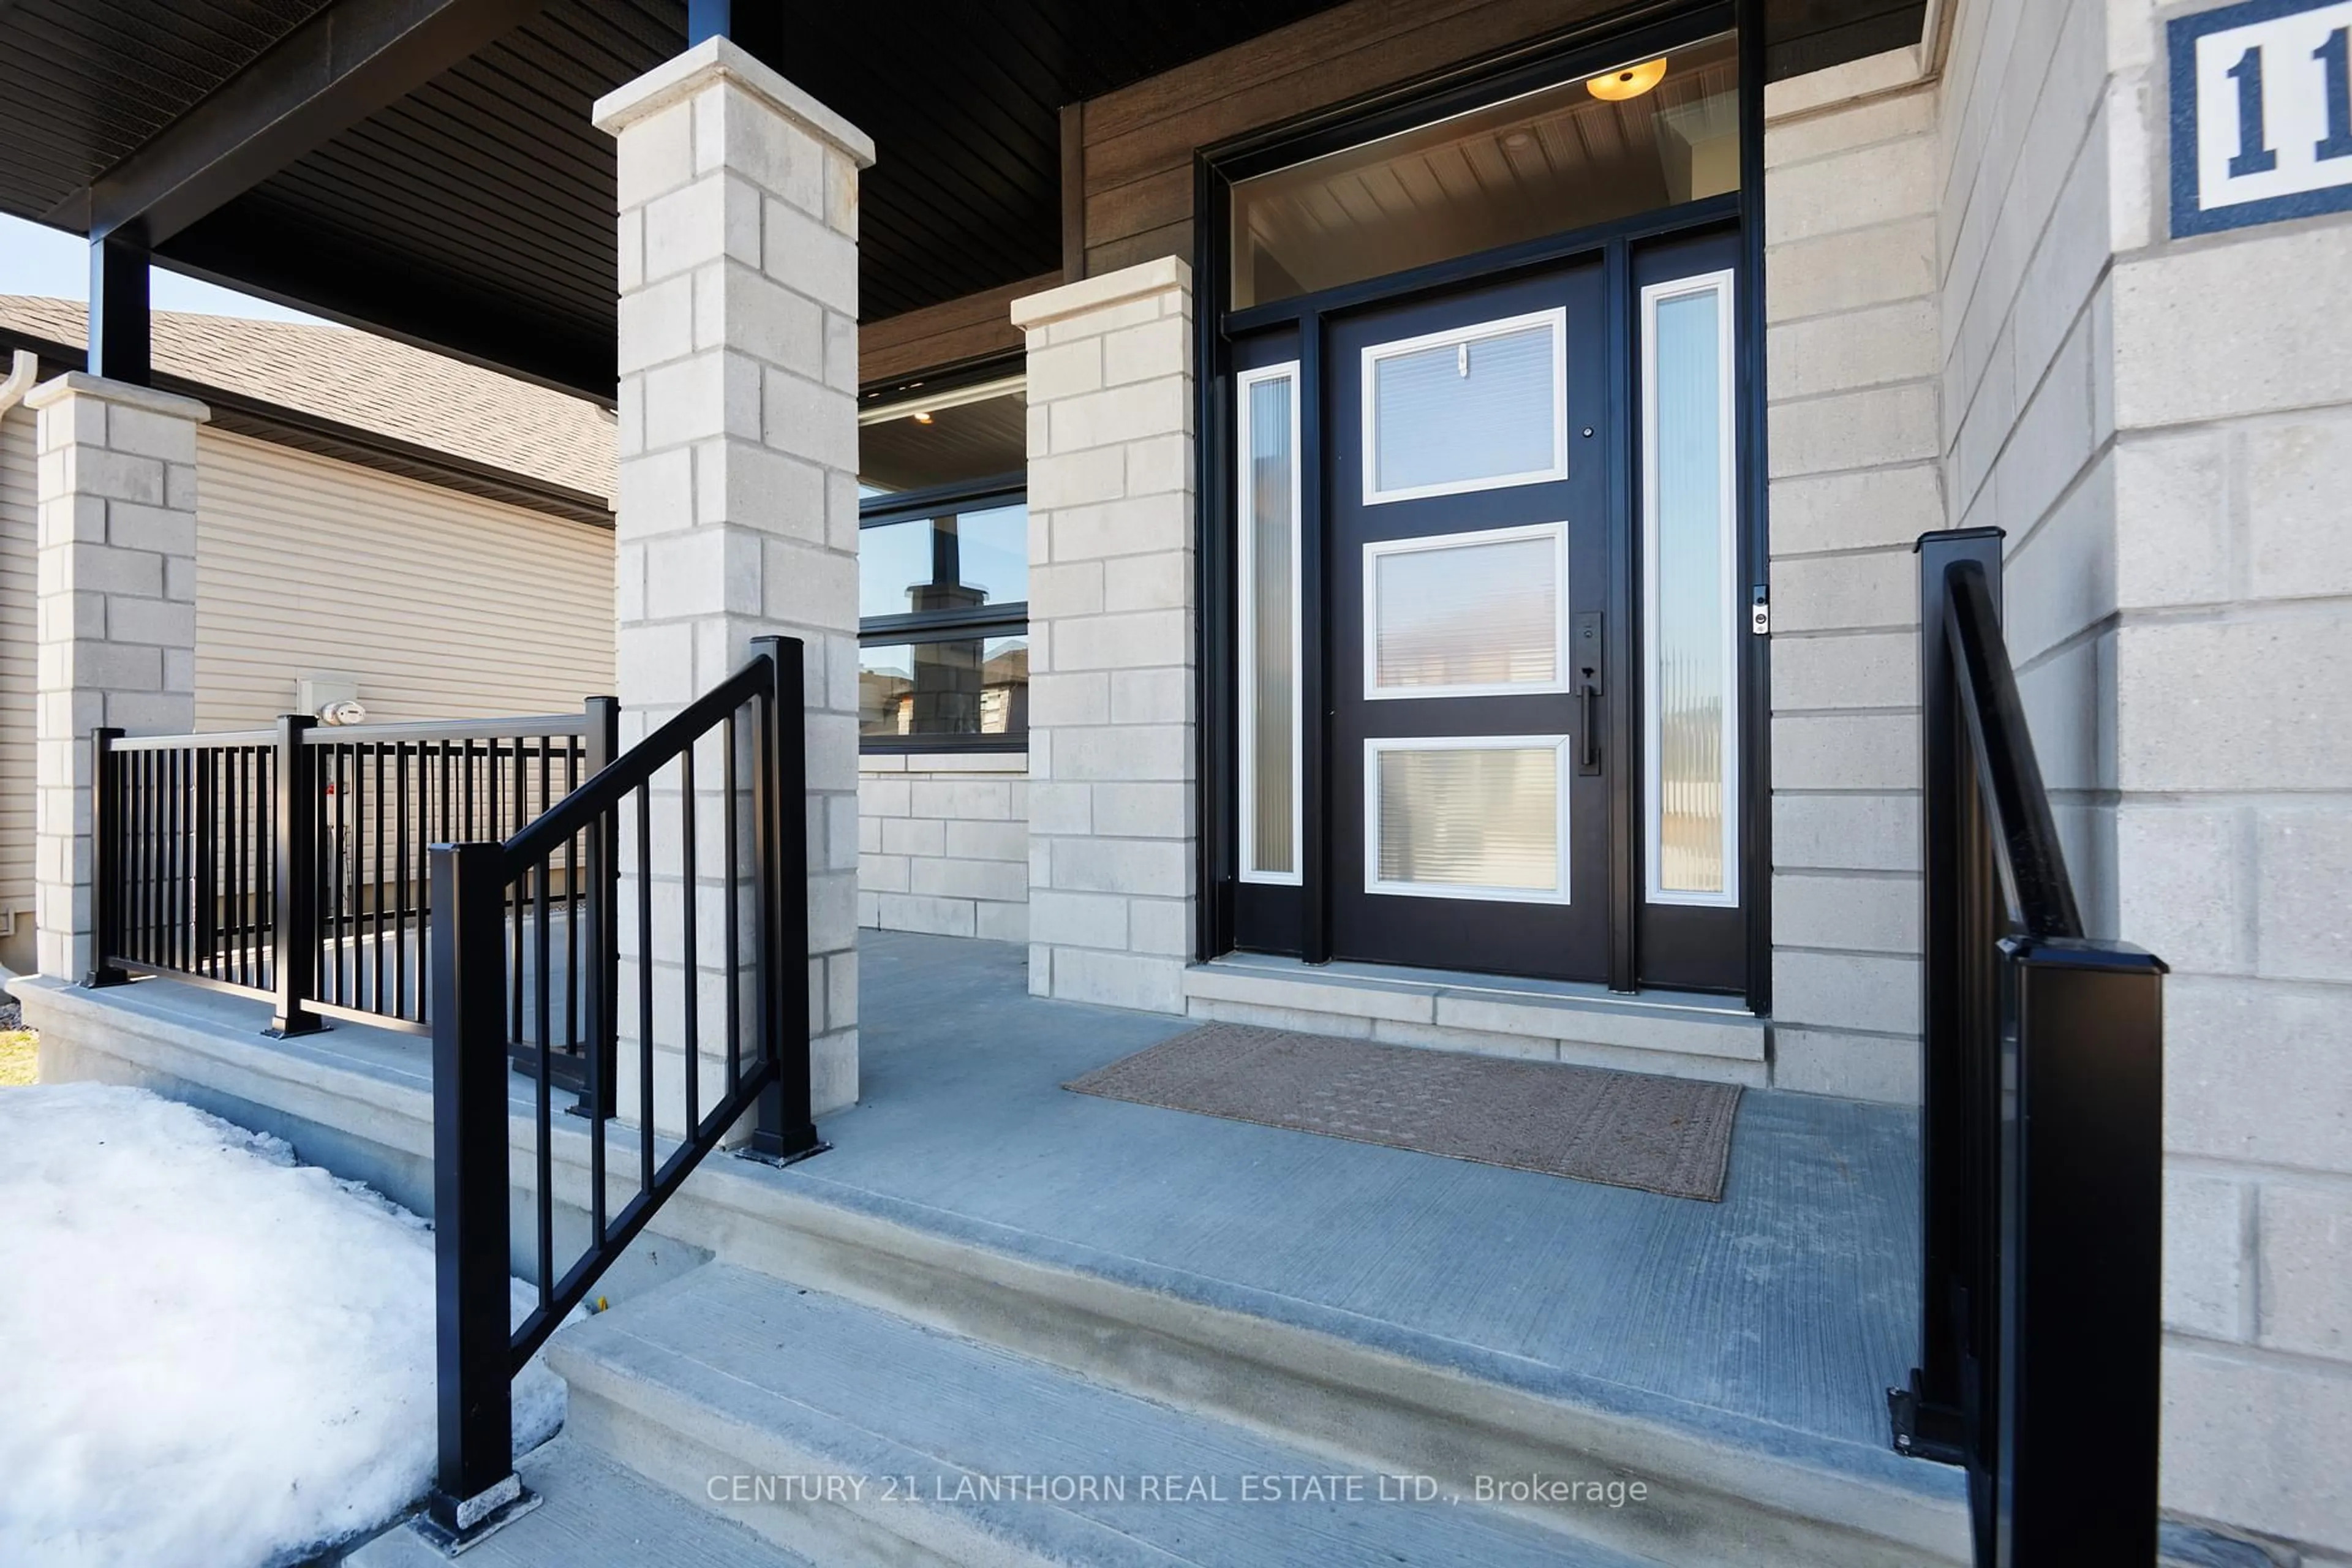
(1628, 81)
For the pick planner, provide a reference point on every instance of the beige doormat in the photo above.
(1667, 1135)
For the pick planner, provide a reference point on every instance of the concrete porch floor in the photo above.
(1741, 1348)
(1775, 1319)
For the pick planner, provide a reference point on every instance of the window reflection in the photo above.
(944, 686)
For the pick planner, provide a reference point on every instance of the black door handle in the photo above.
(1588, 743)
(1589, 657)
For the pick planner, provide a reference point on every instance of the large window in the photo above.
(1642, 135)
(943, 569)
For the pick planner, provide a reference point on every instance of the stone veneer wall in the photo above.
(1112, 661)
(1850, 302)
(943, 843)
(2164, 429)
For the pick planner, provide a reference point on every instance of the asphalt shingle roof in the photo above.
(371, 382)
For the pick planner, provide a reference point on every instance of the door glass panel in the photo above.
(1690, 716)
(1467, 614)
(1486, 819)
(1464, 411)
(1269, 610)
(947, 686)
(1642, 135)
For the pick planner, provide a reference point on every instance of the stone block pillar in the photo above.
(116, 621)
(1111, 610)
(738, 469)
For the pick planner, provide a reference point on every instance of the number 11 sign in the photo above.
(2262, 113)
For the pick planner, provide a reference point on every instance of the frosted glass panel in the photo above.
(1464, 414)
(1464, 821)
(1270, 616)
(1484, 614)
(1690, 618)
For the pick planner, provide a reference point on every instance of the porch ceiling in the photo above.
(472, 213)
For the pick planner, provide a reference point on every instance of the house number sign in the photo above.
(2262, 113)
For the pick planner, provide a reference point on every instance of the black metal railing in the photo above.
(290, 863)
(2040, 1129)
(700, 997)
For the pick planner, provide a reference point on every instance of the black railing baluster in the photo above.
(645, 985)
(786, 1129)
(294, 935)
(731, 846)
(106, 827)
(691, 986)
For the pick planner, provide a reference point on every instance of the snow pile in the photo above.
(209, 1354)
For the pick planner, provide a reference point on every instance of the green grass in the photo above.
(20, 1060)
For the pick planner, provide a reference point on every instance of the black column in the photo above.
(119, 341)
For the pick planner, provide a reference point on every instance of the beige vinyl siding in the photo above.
(441, 605)
(18, 542)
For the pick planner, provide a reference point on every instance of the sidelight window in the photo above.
(1690, 715)
(1268, 511)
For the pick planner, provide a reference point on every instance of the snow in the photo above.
(209, 1355)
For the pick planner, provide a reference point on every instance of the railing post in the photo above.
(600, 907)
(294, 896)
(475, 1488)
(2074, 1458)
(106, 830)
(786, 1129)
(1929, 1416)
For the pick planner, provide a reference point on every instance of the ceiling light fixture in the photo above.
(1627, 81)
(922, 418)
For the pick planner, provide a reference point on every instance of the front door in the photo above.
(1467, 545)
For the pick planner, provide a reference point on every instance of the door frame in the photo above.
(1522, 70)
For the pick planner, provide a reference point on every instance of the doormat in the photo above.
(1667, 1135)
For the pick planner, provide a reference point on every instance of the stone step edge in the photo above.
(663, 1433)
(1306, 1388)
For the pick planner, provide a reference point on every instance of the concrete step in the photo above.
(1725, 1491)
(593, 1513)
(851, 1436)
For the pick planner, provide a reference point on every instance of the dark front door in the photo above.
(1469, 568)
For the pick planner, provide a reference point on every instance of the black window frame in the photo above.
(979, 621)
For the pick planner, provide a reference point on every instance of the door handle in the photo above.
(1588, 745)
(1588, 660)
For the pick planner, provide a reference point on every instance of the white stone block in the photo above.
(1850, 1065)
(1077, 920)
(2303, 871)
(1874, 993)
(2306, 1288)
(1878, 913)
(2254, 1071)
(810, 257)
(1861, 348)
(1141, 982)
(1875, 428)
(1152, 696)
(2257, 1442)
(2205, 1249)
(1866, 669)
(1847, 752)
(2182, 884)
(2297, 542)
(2234, 704)
(1873, 590)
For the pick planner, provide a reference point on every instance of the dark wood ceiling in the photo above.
(474, 213)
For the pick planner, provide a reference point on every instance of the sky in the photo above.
(34, 259)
